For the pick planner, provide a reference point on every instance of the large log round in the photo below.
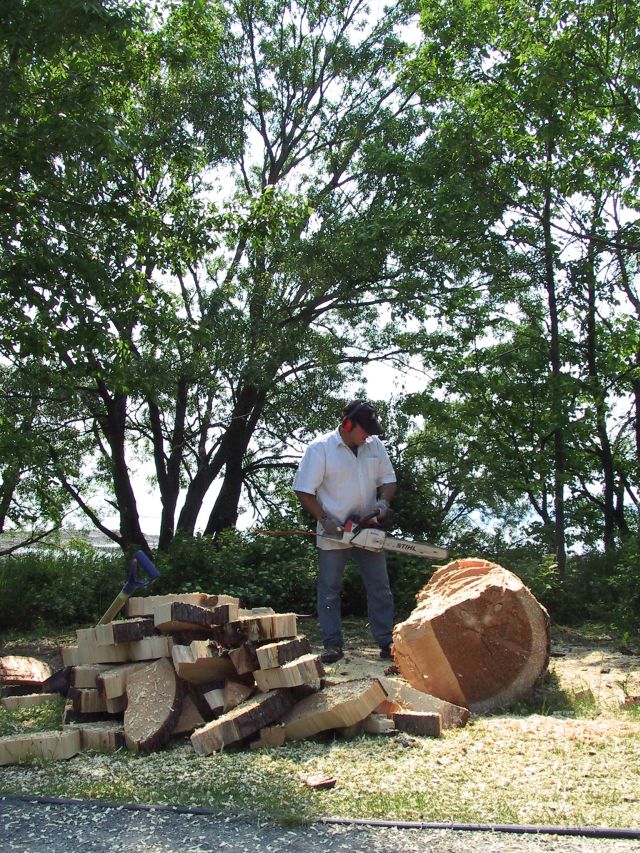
(478, 637)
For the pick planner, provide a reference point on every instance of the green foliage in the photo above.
(263, 571)
(58, 588)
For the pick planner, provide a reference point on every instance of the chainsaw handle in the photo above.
(359, 523)
(133, 583)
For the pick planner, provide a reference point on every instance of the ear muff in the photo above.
(347, 421)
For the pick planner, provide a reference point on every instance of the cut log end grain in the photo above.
(154, 704)
(14, 703)
(424, 723)
(478, 638)
(340, 705)
(242, 722)
(47, 745)
(23, 671)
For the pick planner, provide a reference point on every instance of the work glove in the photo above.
(330, 524)
(382, 508)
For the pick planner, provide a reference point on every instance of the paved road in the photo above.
(32, 826)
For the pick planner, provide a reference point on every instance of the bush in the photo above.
(58, 588)
(262, 571)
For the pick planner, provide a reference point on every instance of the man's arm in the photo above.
(311, 504)
(314, 508)
(387, 491)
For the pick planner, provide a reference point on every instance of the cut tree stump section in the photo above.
(21, 671)
(244, 658)
(293, 674)
(271, 655)
(49, 745)
(241, 722)
(145, 605)
(477, 638)
(423, 723)
(112, 682)
(124, 631)
(182, 616)
(235, 693)
(402, 697)
(190, 718)
(154, 705)
(13, 703)
(258, 629)
(335, 707)
(201, 662)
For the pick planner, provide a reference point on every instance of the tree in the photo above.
(538, 129)
(195, 293)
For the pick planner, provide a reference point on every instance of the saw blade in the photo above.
(417, 549)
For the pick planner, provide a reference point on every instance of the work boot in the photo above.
(385, 653)
(331, 654)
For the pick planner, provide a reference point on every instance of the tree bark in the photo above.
(113, 424)
(598, 393)
(557, 407)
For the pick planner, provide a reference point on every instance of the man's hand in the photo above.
(382, 508)
(330, 524)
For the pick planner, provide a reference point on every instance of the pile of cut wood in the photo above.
(198, 664)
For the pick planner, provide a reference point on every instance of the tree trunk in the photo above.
(168, 469)
(557, 407)
(113, 425)
(598, 394)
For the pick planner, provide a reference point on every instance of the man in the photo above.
(344, 473)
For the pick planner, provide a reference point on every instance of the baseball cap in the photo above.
(363, 413)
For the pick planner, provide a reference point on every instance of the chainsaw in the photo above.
(365, 533)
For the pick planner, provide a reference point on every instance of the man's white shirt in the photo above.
(344, 483)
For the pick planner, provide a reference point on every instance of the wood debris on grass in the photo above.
(199, 664)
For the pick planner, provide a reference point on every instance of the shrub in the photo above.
(58, 588)
(276, 572)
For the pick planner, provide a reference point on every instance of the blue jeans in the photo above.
(372, 566)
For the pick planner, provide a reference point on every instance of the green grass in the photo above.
(557, 759)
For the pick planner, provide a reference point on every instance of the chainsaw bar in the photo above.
(375, 539)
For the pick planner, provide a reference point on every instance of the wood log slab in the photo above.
(107, 736)
(154, 704)
(378, 724)
(402, 697)
(182, 616)
(244, 658)
(201, 662)
(337, 706)
(299, 671)
(190, 718)
(87, 675)
(23, 671)
(112, 682)
(87, 700)
(89, 652)
(235, 693)
(242, 722)
(215, 700)
(271, 655)
(422, 723)
(145, 605)
(477, 638)
(28, 700)
(151, 648)
(259, 629)
(124, 631)
(52, 746)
